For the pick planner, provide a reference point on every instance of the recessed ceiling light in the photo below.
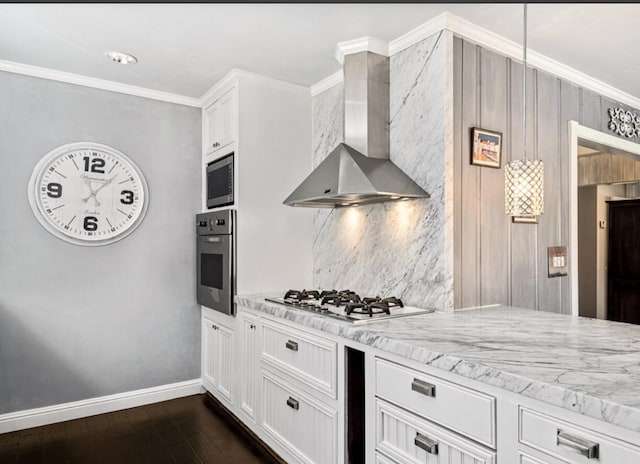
(122, 58)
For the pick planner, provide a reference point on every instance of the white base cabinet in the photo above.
(287, 383)
(218, 348)
(248, 366)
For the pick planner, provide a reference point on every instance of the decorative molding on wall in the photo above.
(326, 83)
(221, 86)
(487, 39)
(624, 122)
(62, 412)
(86, 81)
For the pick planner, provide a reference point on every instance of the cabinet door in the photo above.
(220, 122)
(211, 115)
(224, 361)
(225, 119)
(248, 365)
(209, 354)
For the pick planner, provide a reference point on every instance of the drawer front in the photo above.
(311, 359)
(380, 459)
(571, 443)
(526, 459)
(409, 439)
(466, 411)
(303, 426)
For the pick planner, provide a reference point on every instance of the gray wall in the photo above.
(393, 248)
(496, 261)
(80, 322)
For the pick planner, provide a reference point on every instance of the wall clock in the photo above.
(88, 194)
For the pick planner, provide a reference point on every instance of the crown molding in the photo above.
(492, 41)
(93, 82)
(483, 37)
(433, 26)
(232, 76)
(363, 44)
(326, 83)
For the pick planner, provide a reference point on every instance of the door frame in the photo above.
(577, 134)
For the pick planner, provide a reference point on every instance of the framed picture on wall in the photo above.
(532, 219)
(486, 147)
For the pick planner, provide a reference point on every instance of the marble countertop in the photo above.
(588, 366)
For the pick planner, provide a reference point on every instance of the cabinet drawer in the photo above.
(571, 443)
(303, 426)
(380, 459)
(526, 459)
(466, 411)
(409, 439)
(311, 359)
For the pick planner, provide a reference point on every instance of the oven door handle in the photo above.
(212, 239)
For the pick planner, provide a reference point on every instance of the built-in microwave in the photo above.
(220, 182)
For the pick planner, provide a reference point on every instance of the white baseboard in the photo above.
(20, 420)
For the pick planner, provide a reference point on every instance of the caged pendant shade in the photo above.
(524, 179)
(524, 188)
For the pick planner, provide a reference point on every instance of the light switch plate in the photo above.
(557, 261)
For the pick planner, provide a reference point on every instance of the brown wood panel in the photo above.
(523, 236)
(457, 171)
(569, 111)
(584, 170)
(179, 431)
(470, 220)
(601, 168)
(494, 226)
(549, 230)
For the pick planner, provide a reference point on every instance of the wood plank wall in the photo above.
(496, 261)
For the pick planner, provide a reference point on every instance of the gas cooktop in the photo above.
(346, 305)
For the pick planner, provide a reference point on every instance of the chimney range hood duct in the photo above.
(359, 171)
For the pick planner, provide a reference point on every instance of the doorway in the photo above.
(604, 168)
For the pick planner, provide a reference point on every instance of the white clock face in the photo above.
(88, 194)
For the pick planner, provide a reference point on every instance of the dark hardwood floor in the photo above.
(181, 431)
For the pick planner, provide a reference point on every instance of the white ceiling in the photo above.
(186, 48)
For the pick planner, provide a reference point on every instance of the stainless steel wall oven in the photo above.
(216, 260)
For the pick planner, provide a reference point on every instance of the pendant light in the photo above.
(524, 179)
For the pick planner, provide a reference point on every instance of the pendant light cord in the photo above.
(524, 82)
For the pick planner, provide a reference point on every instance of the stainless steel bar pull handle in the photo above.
(212, 239)
(425, 388)
(426, 443)
(294, 404)
(293, 346)
(585, 447)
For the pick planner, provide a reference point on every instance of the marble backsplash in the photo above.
(397, 248)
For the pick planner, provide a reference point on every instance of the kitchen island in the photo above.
(584, 365)
(491, 385)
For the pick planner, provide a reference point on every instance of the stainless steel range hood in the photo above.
(359, 171)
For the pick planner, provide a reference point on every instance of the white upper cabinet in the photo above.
(219, 122)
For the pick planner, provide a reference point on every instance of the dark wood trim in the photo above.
(253, 442)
